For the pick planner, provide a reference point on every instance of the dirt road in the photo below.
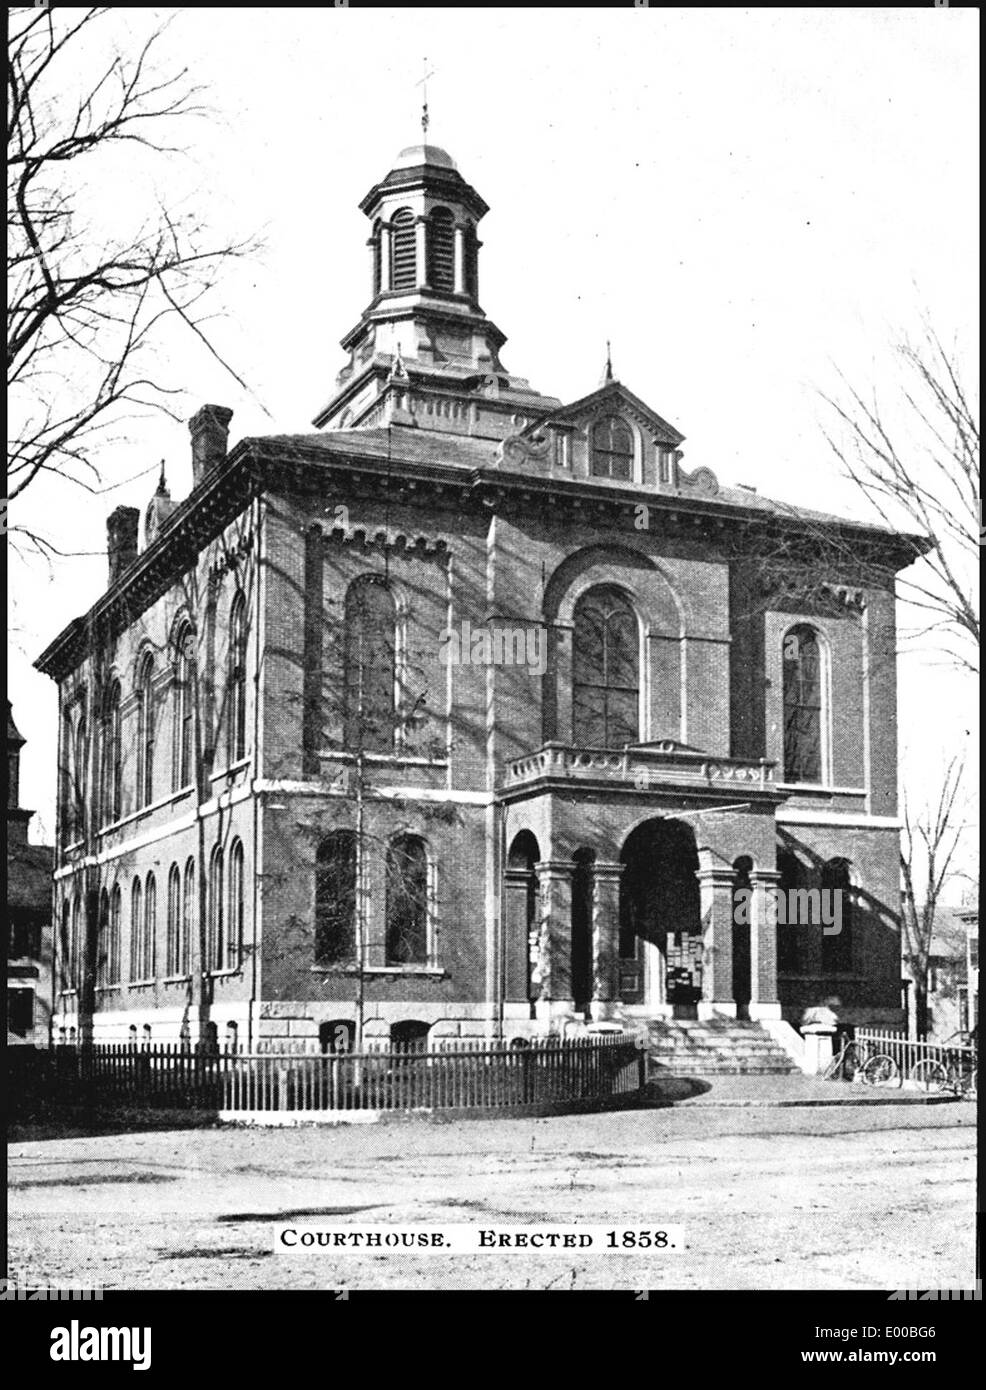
(880, 1197)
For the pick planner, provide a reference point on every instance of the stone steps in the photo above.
(715, 1047)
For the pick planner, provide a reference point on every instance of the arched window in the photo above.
(837, 917)
(136, 931)
(606, 659)
(215, 944)
(441, 250)
(335, 899)
(234, 911)
(112, 755)
(74, 943)
(149, 962)
(236, 681)
(80, 779)
(189, 918)
(173, 962)
(370, 666)
(407, 902)
(65, 948)
(803, 705)
(183, 706)
(66, 794)
(145, 732)
(108, 953)
(403, 251)
(612, 449)
(411, 1035)
(336, 1035)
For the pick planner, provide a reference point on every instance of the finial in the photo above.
(162, 483)
(423, 84)
(399, 370)
(608, 373)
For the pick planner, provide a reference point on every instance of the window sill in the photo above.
(144, 811)
(176, 979)
(229, 771)
(435, 972)
(342, 755)
(222, 974)
(108, 989)
(143, 984)
(819, 789)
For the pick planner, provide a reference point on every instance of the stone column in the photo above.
(553, 975)
(460, 260)
(716, 892)
(763, 945)
(605, 939)
(421, 251)
(384, 258)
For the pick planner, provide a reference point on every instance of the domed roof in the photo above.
(423, 154)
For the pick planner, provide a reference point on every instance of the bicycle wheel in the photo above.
(930, 1075)
(881, 1070)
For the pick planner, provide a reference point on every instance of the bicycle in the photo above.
(857, 1062)
(956, 1070)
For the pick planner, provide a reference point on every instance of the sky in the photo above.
(746, 203)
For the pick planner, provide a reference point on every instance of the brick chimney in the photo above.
(121, 540)
(209, 428)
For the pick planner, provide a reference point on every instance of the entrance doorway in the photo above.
(660, 907)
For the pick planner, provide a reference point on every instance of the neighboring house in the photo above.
(470, 713)
(29, 934)
(951, 1004)
(969, 916)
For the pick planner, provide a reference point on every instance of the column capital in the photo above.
(766, 876)
(604, 868)
(557, 867)
(717, 875)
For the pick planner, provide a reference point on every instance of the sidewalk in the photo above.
(782, 1090)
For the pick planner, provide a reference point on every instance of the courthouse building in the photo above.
(470, 713)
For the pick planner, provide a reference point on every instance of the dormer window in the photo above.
(612, 450)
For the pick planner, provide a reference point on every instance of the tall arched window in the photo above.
(606, 663)
(837, 917)
(612, 449)
(137, 931)
(803, 705)
(183, 706)
(145, 732)
(403, 251)
(335, 899)
(149, 961)
(236, 681)
(112, 755)
(370, 666)
(441, 250)
(74, 942)
(65, 948)
(66, 795)
(103, 940)
(407, 902)
(108, 958)
(216, 942)
(173, 962)
(234, 910)
(189, 918)
(80, 779)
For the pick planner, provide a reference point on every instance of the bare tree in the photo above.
(928, 845)
(917, 463)
(87, 308)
